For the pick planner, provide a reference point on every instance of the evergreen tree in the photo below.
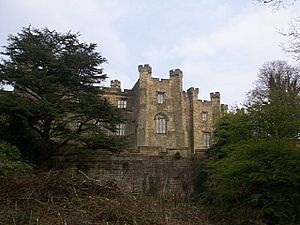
(57, 98)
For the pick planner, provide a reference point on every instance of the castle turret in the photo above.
(193, 93)
(145, 70)
(215, 98)
(175, 73)
(115, 84)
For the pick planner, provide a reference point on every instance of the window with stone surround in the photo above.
(161, 124)
(160, 97)
(204, 116)
(122, 103)
(121, 129)
(206, 139)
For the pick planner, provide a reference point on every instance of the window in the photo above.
(161, 124)
(206, 139)
(204, 116)
(121, 129)
(122, 103)
(160, 98)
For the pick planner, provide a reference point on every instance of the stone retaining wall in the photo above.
(162, 176)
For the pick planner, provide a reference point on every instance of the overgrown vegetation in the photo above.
(71, 197)
(11, 163)
(253, 175)
(56, 99)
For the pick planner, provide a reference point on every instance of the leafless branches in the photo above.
(276, 4)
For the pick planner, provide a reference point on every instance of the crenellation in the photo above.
(161, 115)
(115, 84)
(175, 73)
(215, 95)
(146, 68)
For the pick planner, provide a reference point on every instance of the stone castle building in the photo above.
(161, 118)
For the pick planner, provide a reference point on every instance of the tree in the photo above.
(293, 33)
(56, 99)
(274, 105)
(276, 3)
(258, 181)
(253, 174)
(233, 127)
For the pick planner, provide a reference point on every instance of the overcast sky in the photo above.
(218, 44)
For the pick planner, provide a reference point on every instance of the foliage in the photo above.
(274, 104)
(253, 172)
(10, 161)
(56, 98)
(231, 128)
(258, 180)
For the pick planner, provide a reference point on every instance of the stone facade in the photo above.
(141, 175)
(161, 118)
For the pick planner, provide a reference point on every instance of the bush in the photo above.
(10, 161)
(259, 180)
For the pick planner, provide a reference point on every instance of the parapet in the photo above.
(115, 84)
(215, 95)
(176, 72)
(224, 108)
(145, 68)
(193, 92)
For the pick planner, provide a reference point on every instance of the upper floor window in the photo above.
(161, 124)
(204, 116)
(160, 98)
(122, 103)
(121, 129)
(206, 139)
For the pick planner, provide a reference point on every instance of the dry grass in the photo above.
(72, 198)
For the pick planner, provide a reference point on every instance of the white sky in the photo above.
(219, 44)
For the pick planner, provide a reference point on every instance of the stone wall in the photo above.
(160, 176)
(185, 127)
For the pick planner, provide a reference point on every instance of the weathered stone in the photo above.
(188, 119)
(156, 176)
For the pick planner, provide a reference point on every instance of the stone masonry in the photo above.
(161, 118)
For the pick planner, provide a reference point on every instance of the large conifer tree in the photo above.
(56, 99)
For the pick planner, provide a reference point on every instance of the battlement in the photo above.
(215, 95)
(115, 84)
(193, 92)
(145, 68)
(224, 107)
(175, 72)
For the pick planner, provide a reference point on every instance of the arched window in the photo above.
(161, 123)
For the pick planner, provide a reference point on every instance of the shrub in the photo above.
(10, 161)
(259, 180)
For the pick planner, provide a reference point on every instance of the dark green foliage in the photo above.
(274, 105)
(234, 127)
(258, 180)
(253, 175)
(56, 99)
(10, 161)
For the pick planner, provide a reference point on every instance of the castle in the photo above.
(161, 118)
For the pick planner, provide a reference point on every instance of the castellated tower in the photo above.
(161, 117)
